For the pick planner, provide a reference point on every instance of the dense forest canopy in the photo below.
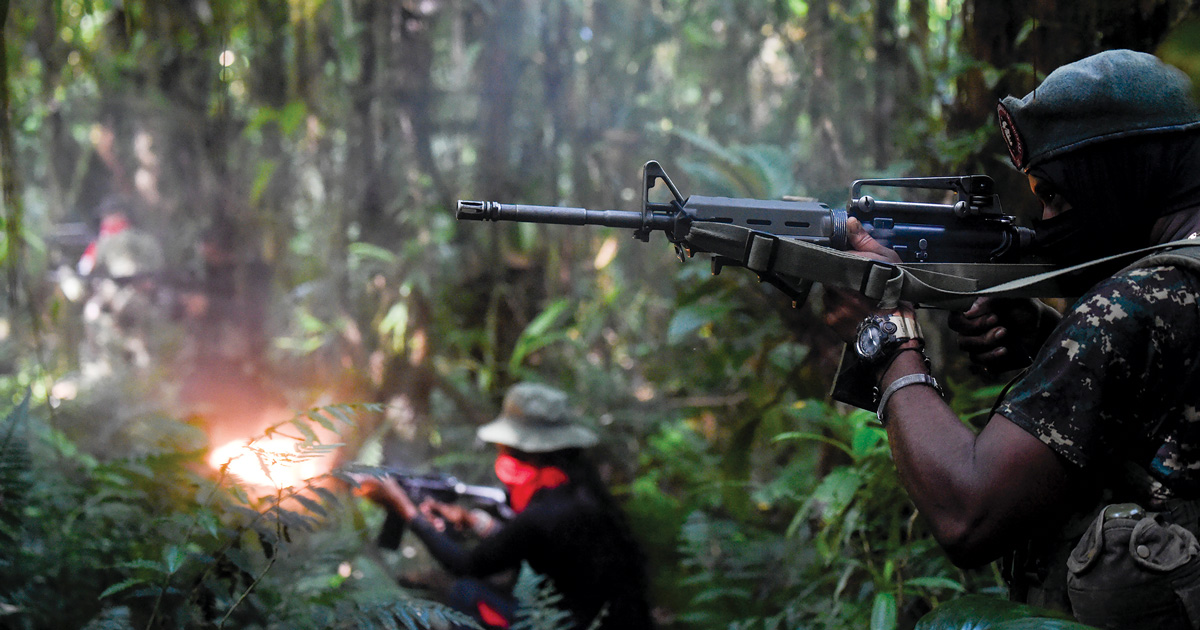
(287, 171)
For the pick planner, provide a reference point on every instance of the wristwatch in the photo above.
(879, 335)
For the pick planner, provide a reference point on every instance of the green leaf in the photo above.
(836, 491)
(788, 356)
(208, 521)
(326, 495)
(156, 567)
(815, 437)
(978, 611)
(537, 334)
(866, 439)
(730, 592)
(239, 494)
(395, 323)
(317, 450)
(1027, 29)
(16, 417)
(319, 418)
(241, 560)
(174, 556)
(348, 477)
(936, 583)
(294, 519)
(714, 149)
(261, 117)
(883, 612)
(688, 319)
(16, 466)
(306, 430)
(1041, 623)
(369, 251)
(292, 116)
(341, 412)
(121, 586)
(313, 506)
(262, 179)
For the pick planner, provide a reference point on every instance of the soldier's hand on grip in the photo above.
(1003, 334)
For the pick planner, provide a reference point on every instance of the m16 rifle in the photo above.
(956, 248)
(441, 488)
(950, 253)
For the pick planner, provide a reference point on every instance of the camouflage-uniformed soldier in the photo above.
(1086, 477)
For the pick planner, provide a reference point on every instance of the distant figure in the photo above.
(123, 268)
(110, 225)
(567, 526)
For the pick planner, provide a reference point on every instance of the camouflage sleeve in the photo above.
(1113, 367)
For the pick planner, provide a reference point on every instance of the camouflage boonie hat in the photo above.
(536, 418)
(1110, 95)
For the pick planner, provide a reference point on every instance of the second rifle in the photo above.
(441, 488)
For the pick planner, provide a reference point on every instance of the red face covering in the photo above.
(490, 617)
(523, 479)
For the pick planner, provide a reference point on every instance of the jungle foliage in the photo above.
(320, 146)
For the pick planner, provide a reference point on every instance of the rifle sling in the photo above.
(940, 285)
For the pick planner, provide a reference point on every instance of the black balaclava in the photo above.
(1117, 190)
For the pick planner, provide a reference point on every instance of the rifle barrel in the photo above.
(560, 215)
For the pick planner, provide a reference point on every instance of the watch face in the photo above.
(870, 341)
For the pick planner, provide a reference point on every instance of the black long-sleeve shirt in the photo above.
(567, 535)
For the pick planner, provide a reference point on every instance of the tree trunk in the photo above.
(413, 56)
(889, 61)
(824, 101)
(13, 214)
(500, 70)
(362, 173)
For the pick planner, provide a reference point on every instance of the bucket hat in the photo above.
(1109, 95)
(536, 418)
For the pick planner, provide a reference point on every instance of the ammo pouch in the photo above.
(1132, 569)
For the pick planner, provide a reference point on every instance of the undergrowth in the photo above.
(160, 540)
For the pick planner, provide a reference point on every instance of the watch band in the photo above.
(906, 327)
(879, 336)
(901, 383)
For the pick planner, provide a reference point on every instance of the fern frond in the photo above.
(540, 602)
(410, 614)
(15, 465)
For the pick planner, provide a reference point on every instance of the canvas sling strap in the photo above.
(939, 285)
